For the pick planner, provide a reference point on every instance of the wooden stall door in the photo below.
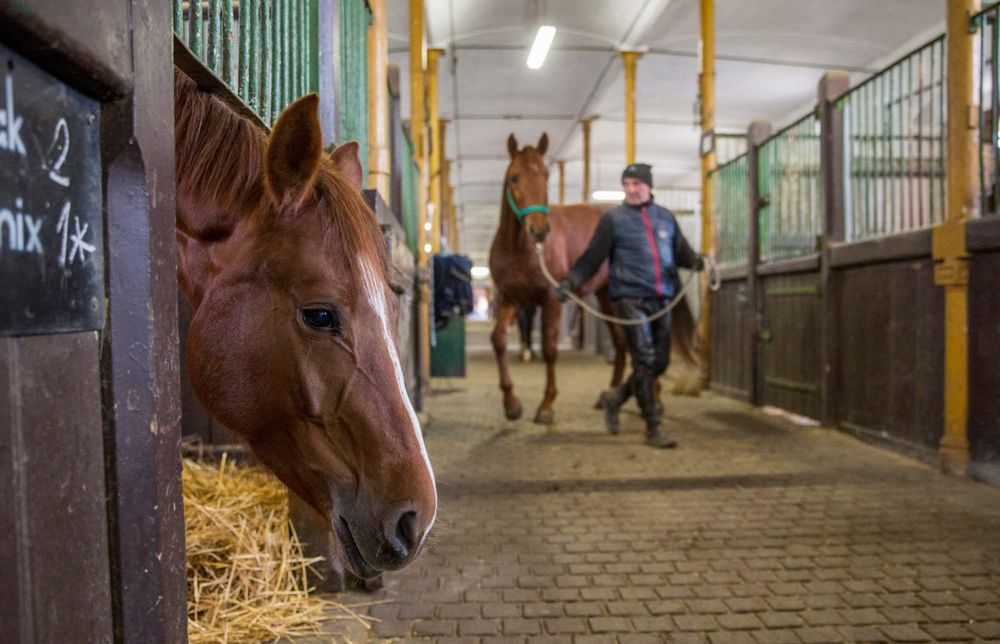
(790, 343)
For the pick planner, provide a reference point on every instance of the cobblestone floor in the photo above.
(753, 530)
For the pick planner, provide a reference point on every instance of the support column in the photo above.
(759, 132)
(629, 59)
(436, 140)
(417, 133)
(586, 158)
(379, 164)
(952, 268)
(706, 82)
(561, 164)
(831, 163)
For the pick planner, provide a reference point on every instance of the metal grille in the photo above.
(791, 212)
(729, 191)
(894, 128)
(355, 17)
(264, 50)
(410, 176)
(728, 147)
(986, 23)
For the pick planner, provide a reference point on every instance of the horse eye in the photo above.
(321, 319)
(513, 178)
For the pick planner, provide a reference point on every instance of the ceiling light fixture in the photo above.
(480, 272)
(608, 195)
(540, 48)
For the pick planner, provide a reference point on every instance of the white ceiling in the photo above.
(770, 57)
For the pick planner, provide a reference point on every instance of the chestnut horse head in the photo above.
(526, 187)
(290, 342)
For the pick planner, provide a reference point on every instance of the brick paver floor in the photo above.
(753, 530)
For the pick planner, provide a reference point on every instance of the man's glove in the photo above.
(562, 291)
(699, 263)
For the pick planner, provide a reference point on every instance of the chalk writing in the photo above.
(10, 122)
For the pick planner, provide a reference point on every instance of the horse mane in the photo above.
(220, 157)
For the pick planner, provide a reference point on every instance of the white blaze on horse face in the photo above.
(375, 292)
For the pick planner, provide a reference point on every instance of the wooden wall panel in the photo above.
(984, 365)
(891, 333)
(790, 344)
(730, 339)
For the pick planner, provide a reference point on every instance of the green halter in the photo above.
(521, 213)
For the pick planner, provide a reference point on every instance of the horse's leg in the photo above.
(551, 313)
(505, 315)
(525, 320)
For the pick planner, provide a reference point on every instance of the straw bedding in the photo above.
(246, 574)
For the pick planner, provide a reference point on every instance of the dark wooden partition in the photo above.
(732, 335)
(984, 349)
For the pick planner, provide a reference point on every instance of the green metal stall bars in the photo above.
(732, 207)
(894, 152)
(355, 18)
(791, 209)
(987, 25)
(265, 51)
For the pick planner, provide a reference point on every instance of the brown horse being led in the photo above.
(565, 232)
(290, 342)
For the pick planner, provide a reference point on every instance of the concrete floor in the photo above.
(753, 530)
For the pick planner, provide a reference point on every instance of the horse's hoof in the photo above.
(545, 417)
(515, 413)
(525, 355)
(598, 405)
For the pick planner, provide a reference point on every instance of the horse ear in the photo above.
(345, 157)
(294, 150)
(511, 146)
(543, 144)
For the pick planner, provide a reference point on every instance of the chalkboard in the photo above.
(51, 228)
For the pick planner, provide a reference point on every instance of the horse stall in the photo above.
(830, 305)
(93, 541)
(258, 66)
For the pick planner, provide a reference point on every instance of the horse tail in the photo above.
(683, 333)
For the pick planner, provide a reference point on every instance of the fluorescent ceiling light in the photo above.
(543, 39)
(480, 272)
(608, 195)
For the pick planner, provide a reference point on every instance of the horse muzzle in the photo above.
(373, 546)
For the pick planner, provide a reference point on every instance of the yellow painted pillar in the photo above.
(629, 59)
(951, 270)
(434, 121)
(586, 159)
(417, 134)
(706, 84)
(379, 163)
(561, 163)
(448, 207)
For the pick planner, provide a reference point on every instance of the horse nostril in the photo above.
(406, 531)
(402, 535)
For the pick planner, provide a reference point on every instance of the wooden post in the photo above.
(629, 59)
(561, 163)
(417, 133)
(952, 268)
(831, 128)
(586, 159)
(706, 80)
(378, 101)
(759, 132)
(436, 140)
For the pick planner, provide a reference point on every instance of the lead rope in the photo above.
(714, 282)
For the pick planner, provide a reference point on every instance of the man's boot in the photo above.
(611, 403)
(655, 438)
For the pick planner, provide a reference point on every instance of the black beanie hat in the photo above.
(641, 171)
